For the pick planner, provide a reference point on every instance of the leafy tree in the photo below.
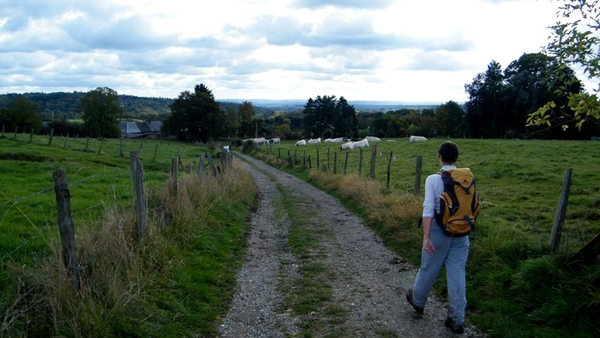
(327, 112)
(195, 116)
(231, 121)
(22, 114)
(101, 113)
(345, 119)
(451, 120)
(246, 113)
(486, 103)
(532, 81)
(575, 41)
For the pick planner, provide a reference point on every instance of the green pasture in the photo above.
(97, 176)
(516, 286)
(520, 181)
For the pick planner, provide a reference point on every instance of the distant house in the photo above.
(140, 129)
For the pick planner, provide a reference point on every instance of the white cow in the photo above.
(334, 140)
(346, 146)
(275, 140)
(360, 144)
(373, 139)
(301, 143)
(259, 140)
(414, 138)
(314, 140)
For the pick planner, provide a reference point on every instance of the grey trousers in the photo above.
(453, 252)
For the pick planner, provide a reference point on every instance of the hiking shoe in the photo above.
(409, 298)
(456, 328)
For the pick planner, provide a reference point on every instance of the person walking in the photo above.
(439, 249)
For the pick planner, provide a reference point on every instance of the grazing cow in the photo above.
(334, 140)
(414, 138)
(373, 139)
(360, 144)
(259, 140)
(275, 140)
(301, 143)
(346, 146)
(314, 140)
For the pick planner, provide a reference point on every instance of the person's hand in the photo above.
(428, 246)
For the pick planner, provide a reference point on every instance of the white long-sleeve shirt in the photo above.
(434, 187)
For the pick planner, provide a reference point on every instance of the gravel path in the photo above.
(367, 281)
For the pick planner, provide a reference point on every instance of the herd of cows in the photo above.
(347, 144)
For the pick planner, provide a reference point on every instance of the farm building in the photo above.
(140, 129)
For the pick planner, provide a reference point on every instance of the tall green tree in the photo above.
(532, 81)
(486, 103)
(101, 113)
(196, 116)
(22, 114)
(345, 122)
(575, 41)
(451, 120)
(246, 113)
(328, 113)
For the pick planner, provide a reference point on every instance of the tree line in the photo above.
(502, 104)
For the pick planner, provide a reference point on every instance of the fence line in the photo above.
(52, 189)
(43, 228)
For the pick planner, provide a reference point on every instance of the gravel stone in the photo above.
(367, 280)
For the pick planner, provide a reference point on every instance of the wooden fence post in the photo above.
(65, 226)
(87, 143)
(212, 164)
(101, 144)
(201, 166)
(66, 139)
(387, 183)
(155, 151)
(346, 163)
(360, 160)
(373, 159)
(419, 171)
(15, 137)
(174, 176)
(137, 174)
(328, 156)
(121, 146)
(31, 136)
(561, 210)
(52, 135)
(335, 163)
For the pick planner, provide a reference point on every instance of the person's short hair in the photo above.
(449, 152)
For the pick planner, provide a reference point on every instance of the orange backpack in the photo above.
(459, 203)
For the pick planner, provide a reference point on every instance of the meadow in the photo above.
(516, 286)
(194, 245)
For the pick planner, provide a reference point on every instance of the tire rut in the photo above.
(367, 281)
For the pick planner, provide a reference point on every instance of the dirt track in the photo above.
(367, 281)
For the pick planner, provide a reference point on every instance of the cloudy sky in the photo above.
(382, 50)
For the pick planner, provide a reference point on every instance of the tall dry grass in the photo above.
(396, 215)
(121, 278)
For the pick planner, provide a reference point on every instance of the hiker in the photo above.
(440, 248)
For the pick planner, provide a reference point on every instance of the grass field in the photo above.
(516, 287)
(194, 246)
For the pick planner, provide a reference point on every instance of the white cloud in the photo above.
(266, 49)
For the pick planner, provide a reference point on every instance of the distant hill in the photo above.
(64, 105)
